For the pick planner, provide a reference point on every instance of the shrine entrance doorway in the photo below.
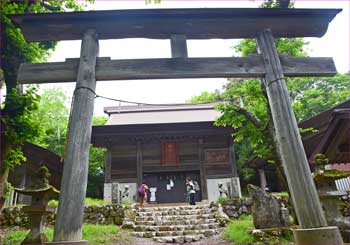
(171, 186)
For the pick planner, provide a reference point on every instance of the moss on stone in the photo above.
(330, 175)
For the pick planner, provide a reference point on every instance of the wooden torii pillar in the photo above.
(291, 151)
(75, 172)
(192, 24)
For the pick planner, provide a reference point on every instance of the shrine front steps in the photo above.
(178, 224)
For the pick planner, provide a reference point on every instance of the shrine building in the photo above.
(162, 146)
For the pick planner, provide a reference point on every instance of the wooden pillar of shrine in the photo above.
(202, 170)
(68, 227)
(139, 163)
(291, 151)
(262, 178)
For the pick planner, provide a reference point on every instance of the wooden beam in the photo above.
(68, 226)
(108, 166)
(178, 46)
(202, 170)
(139, 164)
(232, 158)
(204, 23)
(289, 145)
(106, 69)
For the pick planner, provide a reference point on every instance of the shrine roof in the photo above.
(203, 23)
(332, 130)
(172, 113)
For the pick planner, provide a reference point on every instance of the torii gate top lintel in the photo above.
(201, 23)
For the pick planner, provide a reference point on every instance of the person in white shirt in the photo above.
(191, 191)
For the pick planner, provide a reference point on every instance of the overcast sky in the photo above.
(335, 43)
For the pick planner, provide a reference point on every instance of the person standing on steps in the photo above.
(191, 191)
(142, 191)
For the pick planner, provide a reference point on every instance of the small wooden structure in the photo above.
(160, 145)
(179, 25)
(23, 175)
(332, 134)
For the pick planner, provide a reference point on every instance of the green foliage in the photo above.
(246, 108)
(240, 232)
(88, 201)
(205, 97)
(14, 237)
(95, 234)
(53, 114)
(96, 166)
(153, 1)
(311, 96)
(92, 201)
(19, 125)
(100, 234)
(277, 4)
(237, 232)
(288, 46)
(221, 200)
(282, 194)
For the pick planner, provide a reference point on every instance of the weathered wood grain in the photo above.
(202, 23)
(108, 166)
(232, 158)
(107, 69)
(289, 145)
(203, 173)
(178, 46)
(139, 164)
(75, 171)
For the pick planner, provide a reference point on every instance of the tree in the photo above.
(53, 114)
(246, 108)
(17, 121)
(206, 97)
(96, 166)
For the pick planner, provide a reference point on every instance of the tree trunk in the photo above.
(3, 185)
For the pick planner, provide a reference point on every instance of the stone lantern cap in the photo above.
(328, 178)
(330, 175)
(40, 187)
(48, 191)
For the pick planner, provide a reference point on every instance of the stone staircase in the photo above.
(178, 224)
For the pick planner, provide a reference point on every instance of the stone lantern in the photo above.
(329, 195)
(41, 192)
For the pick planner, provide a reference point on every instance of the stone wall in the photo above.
(236, 207)
(93, 214)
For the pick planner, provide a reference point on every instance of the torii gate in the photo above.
(179, 25)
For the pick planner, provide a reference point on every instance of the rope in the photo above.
(273, 81)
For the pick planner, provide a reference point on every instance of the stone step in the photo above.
(176, 222)
(176, 212)
(178, 239)
(176, 227)
(151, 234)
(176, 217)
(188, 207)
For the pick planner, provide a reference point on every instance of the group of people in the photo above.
(191, 187)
